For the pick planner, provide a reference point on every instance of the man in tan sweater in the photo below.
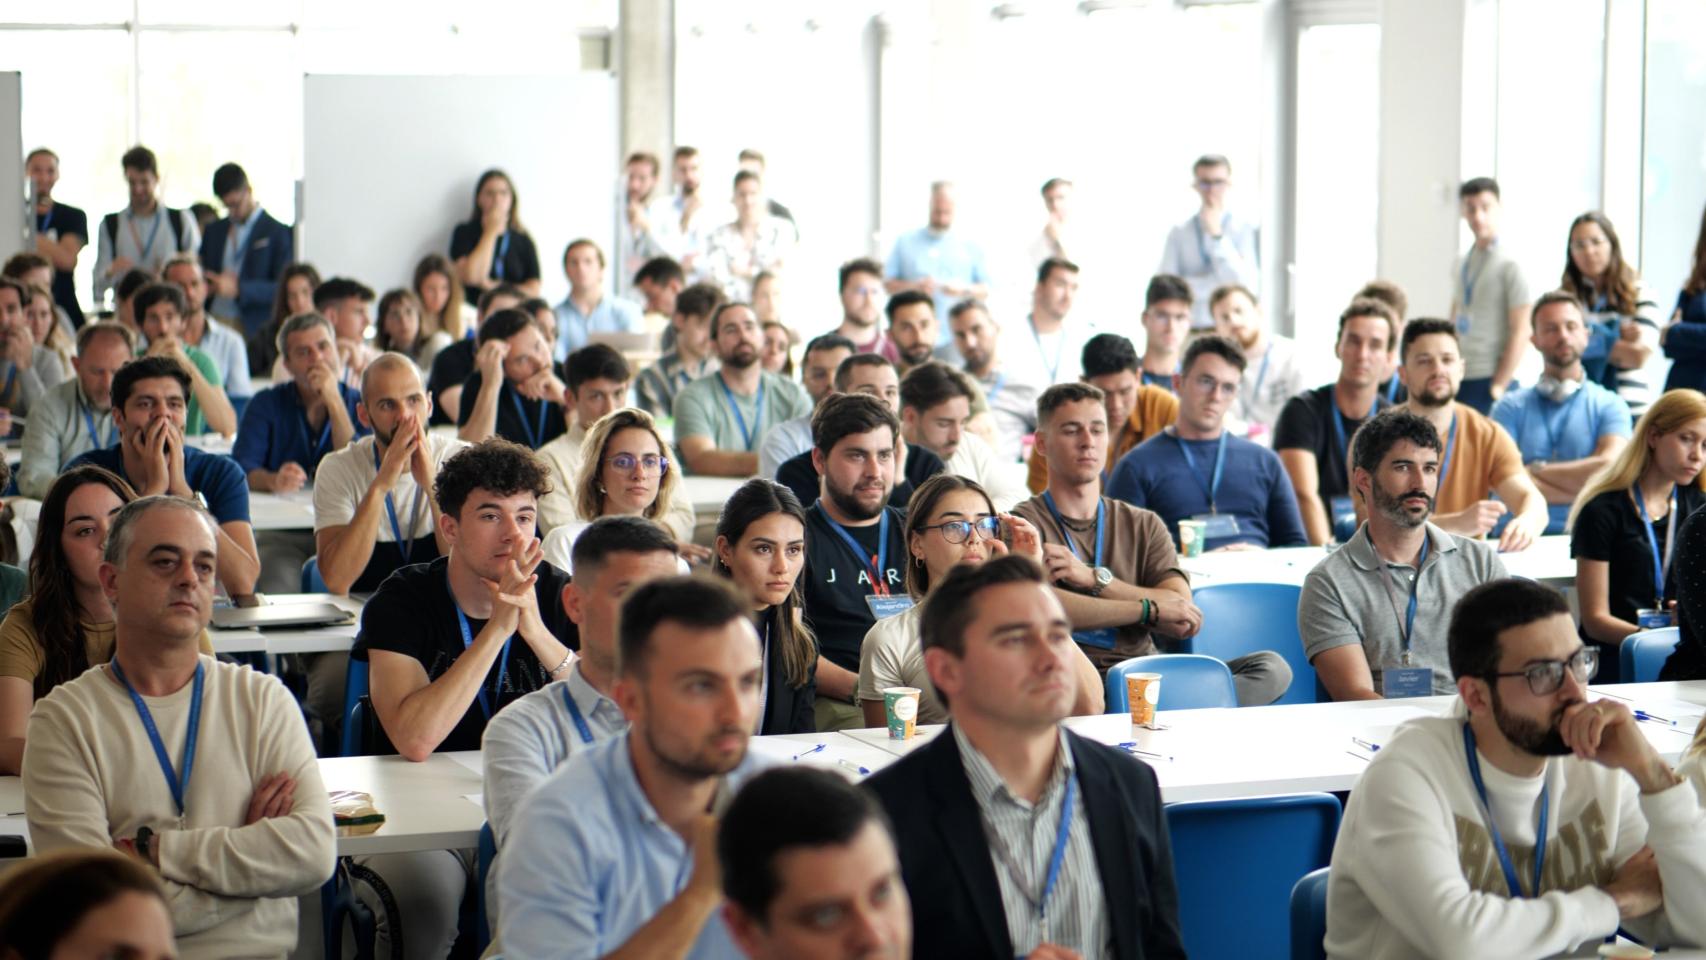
(198, 768)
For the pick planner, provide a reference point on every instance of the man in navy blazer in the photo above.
(243, 254)
(1017, 837)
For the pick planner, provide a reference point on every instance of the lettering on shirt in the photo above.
(864, 579)
(1579, 856)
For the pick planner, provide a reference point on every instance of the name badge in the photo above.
(1398, 682)
(1463, 323)
(1218, 526)
(883, 607)
(1652, 618)
(1102, 639)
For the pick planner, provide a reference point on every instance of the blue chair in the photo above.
(312, 582)
(355, 690)
(1642, 655)
(1189, 681)
(1236, 862)
(1309, 917)
(1243, 618)
(488, 851)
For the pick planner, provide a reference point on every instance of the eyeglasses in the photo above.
(650, 465)
(1547, 676)
(959, 531)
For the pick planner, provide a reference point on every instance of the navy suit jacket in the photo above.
(271, 248)
(950, 873)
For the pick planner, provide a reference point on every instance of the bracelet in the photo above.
(567, 659)
(1143, 617)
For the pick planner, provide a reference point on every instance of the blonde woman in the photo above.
(1624, 525)
(626, 470)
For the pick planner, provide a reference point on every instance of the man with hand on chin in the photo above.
(1527, 822)
(149, 402)
(515, 387)
(289, 428)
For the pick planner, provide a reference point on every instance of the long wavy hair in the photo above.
(53, 592)
(450, 321)
(918, 511)
(392, 300)
(1617, 284)
(589, 491)
(514, 199)
(756, 499)
(1668, 414)
(281, 296)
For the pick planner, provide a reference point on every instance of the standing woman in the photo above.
(443, 306)
(493, 244)
(295, 294)
(625, 470)
(1684, 339)
(1623, 527)
(401, 329)
(761, 546)
(1622, 316)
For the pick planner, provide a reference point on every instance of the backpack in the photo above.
(109, 226)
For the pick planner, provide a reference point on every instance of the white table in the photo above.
(282, 511)
(294, 639)
(1547, 561)
(710, 493)
(426, 805)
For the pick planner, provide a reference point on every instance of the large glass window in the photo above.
(1674, 174)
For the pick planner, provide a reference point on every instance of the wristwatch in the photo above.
(1104, 576)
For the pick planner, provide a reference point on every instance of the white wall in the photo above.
(12, 218)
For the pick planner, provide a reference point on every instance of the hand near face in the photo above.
(1606, 732)
(1025, 540)
(176, 485)
(543, 385)
(420, 458)
(398, 453)
(490, 360)
(513, 596)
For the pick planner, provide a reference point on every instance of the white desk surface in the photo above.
(293, 640)
(710, 493)
(282, 511)
(1548, 560)
(426, 805)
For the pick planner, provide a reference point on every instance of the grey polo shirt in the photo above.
(1345, 601)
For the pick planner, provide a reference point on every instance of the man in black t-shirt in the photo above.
(516, 391)
(1316, 426)
(873, 375)
(855, 545)
(450, 369)
(453, 641)
(62, 231)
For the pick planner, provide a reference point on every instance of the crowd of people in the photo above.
(989, 509)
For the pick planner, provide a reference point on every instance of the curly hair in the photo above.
(495, 464)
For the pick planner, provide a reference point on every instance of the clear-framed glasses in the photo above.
(650, 465)
(1547, 676)
(959, 531)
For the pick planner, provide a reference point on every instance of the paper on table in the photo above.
(784, 751)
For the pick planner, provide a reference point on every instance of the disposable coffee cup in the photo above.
(1649, 618)
(900, 706)
(1192, 533)
(1143, 693)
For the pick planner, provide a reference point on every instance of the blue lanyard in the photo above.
(1339, 418)
(1415, 587)
(740, 418)
(1001, 381)
(575, 715)
(1445, 462)
(498, 257)
(1469, 284)
(177, 783)
(1392, 389)
(317, 448)
(1059, 350)
(1213, 487)
(154, 231)
(879, 563)
(89, 421)
(468, 641)
(1261, 377)
(1661, 564)
(45, 220)
(536, 430)
(1061, 835)
(407, 550)
(1202, 239)
(1162, 380)
(1060, 521)
(1552, 428)
(1504, 855)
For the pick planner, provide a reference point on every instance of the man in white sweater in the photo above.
(1437, 856)
(200, 769)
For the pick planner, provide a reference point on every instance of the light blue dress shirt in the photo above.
(227, 349)
(612, 315)
(1560, 432)
(588, 862)
(946, 258)
(1208, 262)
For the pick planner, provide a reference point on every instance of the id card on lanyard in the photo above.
(1216, 525)
(1469, 288)
(1505, 863)
(1407, 679)
(880, 600)
(498, 256)
(1105, 638)
(1661, 562)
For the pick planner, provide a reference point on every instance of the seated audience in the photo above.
(288, 428)
(1011, 398)
(1688, 660)
(243, 254)
(692, 354)
(45, 326)
(86, 903)
(76, 416)
(1359, 633)
(767, 299)
(860, 284)
(1260, 508)
(588, 309)
(967, 531)
(761, 547)
(149, 411)
(453, 365)
(966, 805)
(630, 866)
(1622, 316)
(1140, 409)
(295, 294)
(935, 403)
(32, 368)
(444, 304)
(515, 392)
(159, 309)
(1313, 435)
(236, 846)
(1623, 529)
(1166, 325)
(344, 302)
(809, 869)
(721, 418)
(1566, 426)
(630, 473)
(492, 244)
(658, 282)
(778, 356)
(1439, 853)
(1275, 374)
(223, 345)
(401, 330)
(124, 298)
(790, 438)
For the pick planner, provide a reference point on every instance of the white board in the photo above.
(12, 219)
(390, 163)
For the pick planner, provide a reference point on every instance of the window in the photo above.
(1674, 175)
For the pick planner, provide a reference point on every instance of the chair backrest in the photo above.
(354, 716)
(312, 582)
(1309, 917)
(1642, 655)
(488, 852)
(1188, 681)
(1238, 860)
(1243, 618)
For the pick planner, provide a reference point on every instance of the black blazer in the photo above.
(787, 709)
(270, 251)
(945, 858)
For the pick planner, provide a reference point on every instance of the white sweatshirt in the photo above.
(90, 777)
(1414, 872)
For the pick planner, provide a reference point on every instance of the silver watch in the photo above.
(1104, 576)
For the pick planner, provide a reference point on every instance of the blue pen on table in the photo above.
(861, 771)
(1368, 745)
(817, 749)
(1653, 718)
(1130, 746)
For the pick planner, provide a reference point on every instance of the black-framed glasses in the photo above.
(1546, 676)
(650, 465)
(959, 531)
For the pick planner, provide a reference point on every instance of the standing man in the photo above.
(693, 357)
(1274, 377)
(114, 758)
(935, 404)
(968, 807)
(1049, 349)
(223, 345)
(1489, 300)
(753, 162)
(937, 261)
(515, 391)
(1213, 248)
(1139, 409)
(160, 310)
(862, 300)
(77, 415)
(1313, 436)
(287, 429)
(244, 254)
(1166, 324)
(721, 418)
(635, 246)
(787, 440)
(587, 309)
(61, 230)
(1012, 399)
(1052, 241)
(1197, 470)
(680, 223)
(1567, 426)
(146, 233)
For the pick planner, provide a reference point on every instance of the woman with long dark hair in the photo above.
(1684, 339)
(493, 244)
(761, 546)
(443, 304)
(295, 294)
(1621, 313)
(402, 329)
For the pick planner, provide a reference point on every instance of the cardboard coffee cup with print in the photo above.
(1143, 693)
(900, 706)
(1192, 534)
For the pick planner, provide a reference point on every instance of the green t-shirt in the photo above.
(195, 423)
(702, 409)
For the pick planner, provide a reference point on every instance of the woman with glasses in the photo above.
(626, 470)
(950, 521)
(1623, 527)
(761, 546)
(1621, 313)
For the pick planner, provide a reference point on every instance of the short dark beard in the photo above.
(1393, 509)
(1525, 734)
(849, 506)
(917, 355)
(737, 362)
(687, 768)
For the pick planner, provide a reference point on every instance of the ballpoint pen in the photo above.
(1653, 718)
(813, 750)
(1368, 745)
(861, 771)
(1130, 746)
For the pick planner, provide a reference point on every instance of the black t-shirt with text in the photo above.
(798, 474)
(837, 583)
(1306, 423)
(519, 263)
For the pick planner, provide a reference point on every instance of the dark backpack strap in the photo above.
(176, 217)
(109, 225)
